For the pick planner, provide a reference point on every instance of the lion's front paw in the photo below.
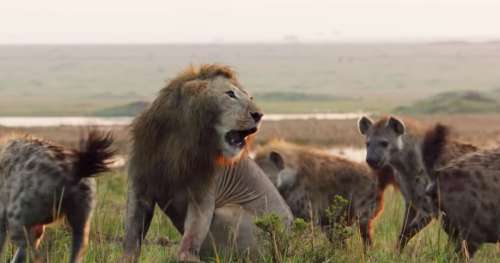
(188, 257)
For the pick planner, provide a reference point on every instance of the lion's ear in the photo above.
(277, 159)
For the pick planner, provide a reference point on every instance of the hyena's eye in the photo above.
(231, 94)
(384, 144)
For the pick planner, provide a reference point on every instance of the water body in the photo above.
(120, 121)
(350, 153)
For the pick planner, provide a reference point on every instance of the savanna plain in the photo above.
(376, 78)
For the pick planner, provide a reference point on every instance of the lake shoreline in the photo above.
(123, 121)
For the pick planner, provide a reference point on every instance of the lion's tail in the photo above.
(94, 155)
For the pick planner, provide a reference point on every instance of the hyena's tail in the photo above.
(433, 145)
(95, 154)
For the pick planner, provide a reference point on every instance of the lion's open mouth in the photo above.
(237, 138)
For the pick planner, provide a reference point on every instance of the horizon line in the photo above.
(298, 43)
(407, 40)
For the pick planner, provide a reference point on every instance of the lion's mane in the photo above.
(174, 142)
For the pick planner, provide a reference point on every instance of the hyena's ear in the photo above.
(277, 159)
(364, 124)
(396, 125)
(286, 179)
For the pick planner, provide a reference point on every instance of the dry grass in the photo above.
(482, 130)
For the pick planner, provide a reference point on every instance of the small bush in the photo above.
(305, 242)
(338, 230)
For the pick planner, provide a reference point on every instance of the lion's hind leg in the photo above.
(232, 230)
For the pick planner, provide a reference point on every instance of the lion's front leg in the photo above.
(199, 216)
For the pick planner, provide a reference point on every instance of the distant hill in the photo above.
(127, 110)
(454, 102)
(271, 101)
(443, 103)
(293, 96)
(65, 80)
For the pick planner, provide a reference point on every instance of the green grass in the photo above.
(129, 109)
(162, 240)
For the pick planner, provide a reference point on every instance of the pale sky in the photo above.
(207, 21)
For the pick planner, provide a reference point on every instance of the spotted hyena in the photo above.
(397, 143)
(466, 193)
(310, 179)
(41, 182)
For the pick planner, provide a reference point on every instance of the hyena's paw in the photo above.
(188, 257)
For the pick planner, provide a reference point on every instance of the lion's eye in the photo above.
(231, 94)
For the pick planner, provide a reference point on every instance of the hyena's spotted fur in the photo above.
(41, 182)
(398, 143)
(310, 179)
(466, 191)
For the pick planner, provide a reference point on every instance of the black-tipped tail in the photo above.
(95, 154)
(433, 145)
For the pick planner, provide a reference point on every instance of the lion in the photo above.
(189, 157)
(309, 179)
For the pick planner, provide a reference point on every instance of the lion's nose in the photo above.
(257, 116)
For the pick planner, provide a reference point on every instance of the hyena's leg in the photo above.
(3, 230)
(463, 247)
(27, 241)
(453, 234)
(38, 231)
(138, 218)
(412, 226)
(404, 237)
(79, 216)
(365, 230)
(469, 248)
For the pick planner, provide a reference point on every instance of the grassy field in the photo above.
(81, 80)
(85, 80)
(162, 241)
